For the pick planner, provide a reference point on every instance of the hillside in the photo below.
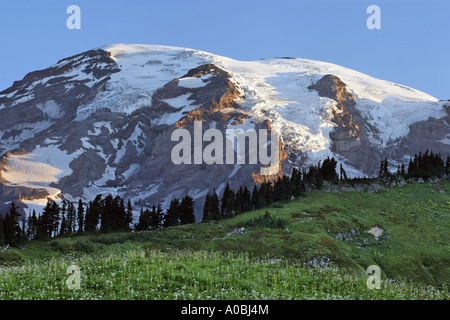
(316, 246)
(103, 121)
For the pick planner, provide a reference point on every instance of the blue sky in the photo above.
(412, 47)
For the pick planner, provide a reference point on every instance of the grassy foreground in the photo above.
(316, 247)
(193, 275)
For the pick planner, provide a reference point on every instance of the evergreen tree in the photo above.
(55, 218)
(80, 216)
(123, 224)
(254, 203)
(129, 216)
(186, 210)
(71, 218)
(211, 208)
(239, 201)
(41, 231)
(160, 215)
(206, 209)
(2, 234)
(144, 220)
(107, 214)
(215, 203)
(11, 229)
(173, 214)
(246, 200)
(63, 231)
(93, 213)
(329, 170)
(154, 217)
(32, 226)
(227, 202)
(50, 218)
(426, 165)
(297, 182)
(343, 174)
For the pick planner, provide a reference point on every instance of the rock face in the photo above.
(350, 137)
(102, 122)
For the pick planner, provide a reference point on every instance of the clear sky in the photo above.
(411, 48)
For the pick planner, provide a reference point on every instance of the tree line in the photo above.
(423, 166)
(283, 188)
(110, 214)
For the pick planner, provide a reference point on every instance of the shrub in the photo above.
(266, 221)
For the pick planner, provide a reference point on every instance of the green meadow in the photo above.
(317, 246)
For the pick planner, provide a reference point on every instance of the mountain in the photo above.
(102, 122)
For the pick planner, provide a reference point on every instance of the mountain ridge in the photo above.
(103, 120)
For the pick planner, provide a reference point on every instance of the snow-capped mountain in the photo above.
(102, 121)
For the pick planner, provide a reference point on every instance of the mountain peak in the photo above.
(101, 121)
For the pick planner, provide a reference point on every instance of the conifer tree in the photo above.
(173, 214)
(93, 214)
(227, 202)
(160, 215)
(2, 234)
(144, 220)
(246, 200)
(107, 214)
(11, 228)
(254, 204)
(206, 209)
(71, 218)
(80, 216)
(186, 208)
(154, 222)
(63, 230)
(32, 226)
(129, 216)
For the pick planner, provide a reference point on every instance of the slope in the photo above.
(403, 230)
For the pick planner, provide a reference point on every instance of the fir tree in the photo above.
(154, 217)
(63, 230)
(71, 218)
(227, 202)
(2, 234)
(187, 210)
(93, 213)
(173, 214)
(206, 209)
(11, 228)
(246, 200)
(32, 226)
(144, 220)
(80, 216)
(328, 170)
(160, 216)
(129, 216)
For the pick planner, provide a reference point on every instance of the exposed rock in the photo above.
(350, 137)
(377, 232)
(321, 262)
(111, 135)
(349, 237)
(371, 187)
(235, 231)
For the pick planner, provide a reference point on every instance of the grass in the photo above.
(193, 275)
(267, 261)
